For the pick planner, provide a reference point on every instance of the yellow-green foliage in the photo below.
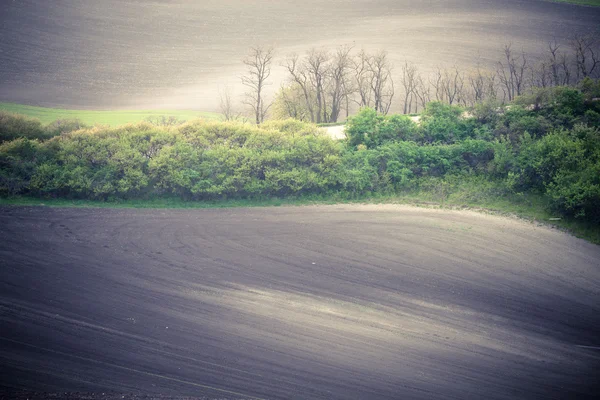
(199, 159)
(13, 126)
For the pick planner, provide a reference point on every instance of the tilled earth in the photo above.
(323, 302)
(182, 54)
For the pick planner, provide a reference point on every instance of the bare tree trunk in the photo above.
(438, 84)
(453, 85)
(553, 47)
(299, 75)
(382, 85)
(477, 84)
(518, 69)
(512, 74)
(586, 55)
(423, 92)
(226, 105)
(409, 83)
(540, 75)
(339, 79)
(566, 69)
(317, 69)
(258, 64)
(362, 79)
(491, 87)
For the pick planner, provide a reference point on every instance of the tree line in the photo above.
(323, 86)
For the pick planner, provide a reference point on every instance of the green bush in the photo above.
(60, 126)
(397, 165)
(576, 192)
(93, 164)
(197, 160)
(562, 106)
(487, 112)
(575, 184)
(372, 129)
(443, 123)
(19, 161)
(14, 126)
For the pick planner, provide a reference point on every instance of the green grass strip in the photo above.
(112, 118)
(592, 3)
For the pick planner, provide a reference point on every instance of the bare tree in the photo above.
(454, 83)
(325, 80)
(226, 105)
(373, 79)
(555, 66)
(422, 91)
(477, 84)
(541, 74)
(381, 82)
(511, 73)
(362, 79)
(480, 85)
(339, 81)
(317, 66)
(409, 84)
(564, 62)
(587, 55)
(258, 63)
(491, 87)
(312, 74)
(438, 84)
(299, 75)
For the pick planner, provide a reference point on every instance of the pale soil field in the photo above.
(320, 302)
(177, 54)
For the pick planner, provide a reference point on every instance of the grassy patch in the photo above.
(593, 3)
(113, 118)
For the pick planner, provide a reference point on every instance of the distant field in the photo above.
(594, 3)
(47, 115)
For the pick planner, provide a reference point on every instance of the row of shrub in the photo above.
(207, 160)
(548, 142)
(538, 113)
(545, 142)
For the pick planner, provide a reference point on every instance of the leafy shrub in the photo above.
(19, 160)
(562, 106)
(372, 129)
(576, 192)
(443, 123)
(13, 126)
(487, 112)
(397, 165)
(60, 126)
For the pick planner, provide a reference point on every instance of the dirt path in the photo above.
(327, 302)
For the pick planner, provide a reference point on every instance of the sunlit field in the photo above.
(106, 117)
